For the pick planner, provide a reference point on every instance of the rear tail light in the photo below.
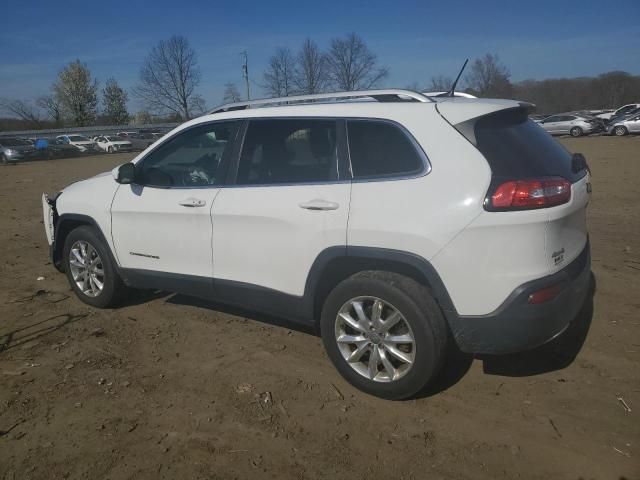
(528, 194)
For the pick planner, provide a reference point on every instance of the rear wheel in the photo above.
(110, 149)
(384, 333)
(620, 131)
(90, 271)
(576, 132)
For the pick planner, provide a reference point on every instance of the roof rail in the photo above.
(384, 95)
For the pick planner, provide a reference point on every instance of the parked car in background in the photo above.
(625, 126)
(15, 149)
(623, 116)
(113, 144)
(126, 134)
(140, 141)
(82, 143)
(538, 117)
(620, 111)
(57, 148)
(573, 125)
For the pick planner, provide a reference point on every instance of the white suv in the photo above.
(397, 226)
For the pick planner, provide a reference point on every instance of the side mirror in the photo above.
(126, 173)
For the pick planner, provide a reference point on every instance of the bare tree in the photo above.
(23, 110)
(169, 78)
(114, 99)
(231, 93)
(311, 74)
(49, 104)
(352, 65)
(278, 78)
(440, 83)
(77, 93)
(488, 77)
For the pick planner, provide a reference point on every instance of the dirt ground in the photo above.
(167, 387)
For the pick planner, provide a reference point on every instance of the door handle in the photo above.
(319, 205)
(192, 202)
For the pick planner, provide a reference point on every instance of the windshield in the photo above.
(78, 138)
(13, 142)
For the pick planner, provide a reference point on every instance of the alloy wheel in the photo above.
(86, 267)
(375, 339)
(620, 131)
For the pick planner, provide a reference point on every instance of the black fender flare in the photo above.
(376, 258)
(75, 218)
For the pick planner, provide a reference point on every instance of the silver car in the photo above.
(623, 127)
(16, 149)
(564, 124)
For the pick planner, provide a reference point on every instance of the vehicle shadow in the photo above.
(554, 355)
(36, 330)
(138, 297)
(178, 299)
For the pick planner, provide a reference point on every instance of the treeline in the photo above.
(170, 75)
(609, 90)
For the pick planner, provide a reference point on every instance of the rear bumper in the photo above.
(516, 325)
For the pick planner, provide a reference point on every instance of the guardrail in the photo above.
(88, 131)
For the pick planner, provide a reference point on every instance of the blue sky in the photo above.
(416, 40)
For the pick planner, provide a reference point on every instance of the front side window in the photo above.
(190, 159)
(288, 151)
(381, 149)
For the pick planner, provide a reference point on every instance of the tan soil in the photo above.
(171, 388)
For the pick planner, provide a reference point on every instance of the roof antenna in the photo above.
(451, 92)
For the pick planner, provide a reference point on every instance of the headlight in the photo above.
(10, 151)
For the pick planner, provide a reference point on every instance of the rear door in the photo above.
(634, 124)
(288, 204)
(553, 124)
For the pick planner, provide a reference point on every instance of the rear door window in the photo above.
(382, 149)
(518, 148)
(288, 151)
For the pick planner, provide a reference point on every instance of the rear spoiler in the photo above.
(464, 119)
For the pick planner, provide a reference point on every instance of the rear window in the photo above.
(517, 148)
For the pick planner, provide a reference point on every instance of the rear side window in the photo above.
(288, 151)
(381, 149)
(517, 148)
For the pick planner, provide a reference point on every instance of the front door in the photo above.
(162, 222)
(288, 204)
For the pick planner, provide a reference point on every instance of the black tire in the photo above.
(620, 131)
(576, 132)
(113, 290)
(109, 149)
(421, 313)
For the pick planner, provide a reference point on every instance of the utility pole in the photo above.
(245, 72)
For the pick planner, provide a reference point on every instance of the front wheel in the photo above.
(620, 131)
(90, 271)
(576, 132)
(384, 333)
